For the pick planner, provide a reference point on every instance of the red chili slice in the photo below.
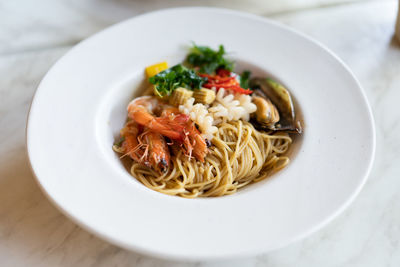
(223, 73)
(216, 78)
(229, 83)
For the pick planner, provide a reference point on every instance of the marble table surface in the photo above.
(34, 34)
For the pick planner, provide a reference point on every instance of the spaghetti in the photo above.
(240, 155)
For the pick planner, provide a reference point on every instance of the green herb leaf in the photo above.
(209, 60)
(244, 79)
(177, 76)
(120, 141)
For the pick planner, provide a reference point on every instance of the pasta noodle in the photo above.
(240, 155)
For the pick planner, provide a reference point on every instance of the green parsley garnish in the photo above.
(244, 79)
(177, 76)
(209, 60)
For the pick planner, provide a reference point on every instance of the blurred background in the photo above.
(35, 34)
(46, 23)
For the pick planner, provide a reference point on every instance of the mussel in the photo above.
(278, 97)
(267, 114)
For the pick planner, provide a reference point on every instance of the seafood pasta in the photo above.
(203, 130)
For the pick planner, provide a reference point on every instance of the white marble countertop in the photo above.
(34, 34)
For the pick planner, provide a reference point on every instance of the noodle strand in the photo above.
(240, 155)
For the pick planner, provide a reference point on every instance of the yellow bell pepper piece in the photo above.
(156, 68)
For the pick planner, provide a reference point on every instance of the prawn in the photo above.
(158, 154)
(142, 110)
(148, 148)
(130, 146)
(194, 143)
(170, 123)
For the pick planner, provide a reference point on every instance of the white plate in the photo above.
(79, 108)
